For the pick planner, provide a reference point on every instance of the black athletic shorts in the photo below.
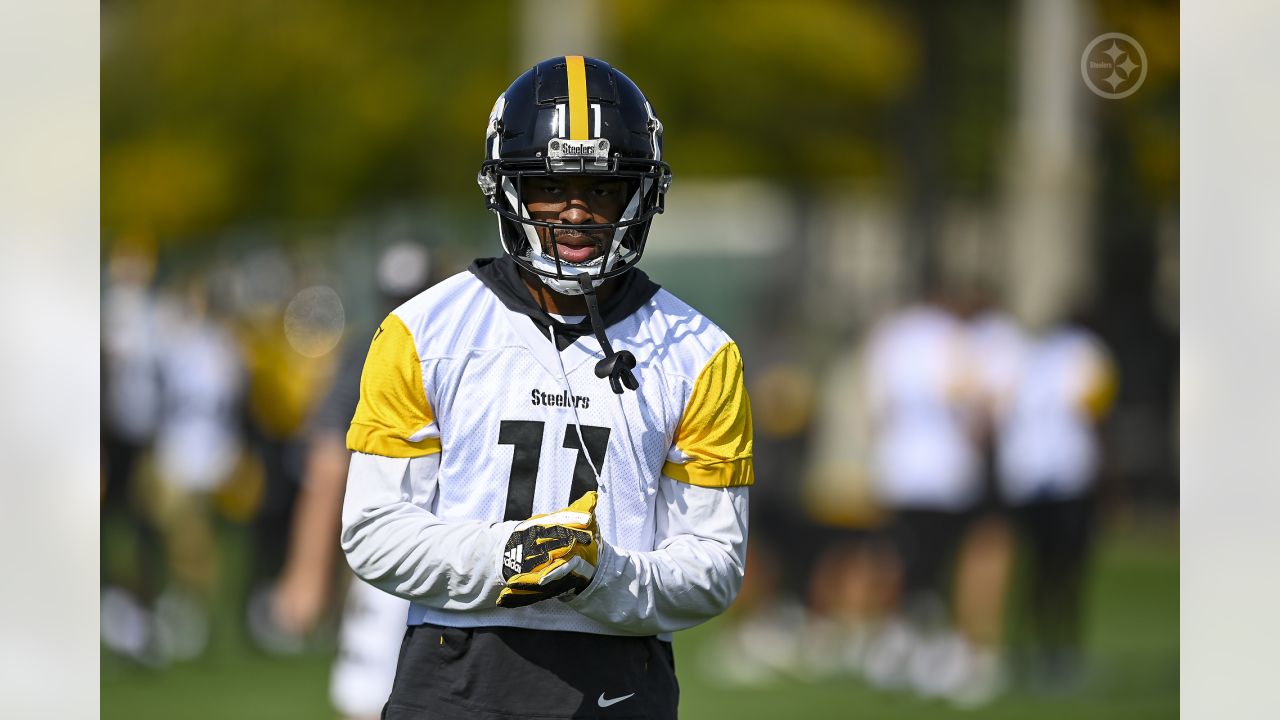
(500, 673)
(926, 541)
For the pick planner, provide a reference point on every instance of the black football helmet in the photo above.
(573, 115)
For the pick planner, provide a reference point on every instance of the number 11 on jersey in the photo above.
(525, 437)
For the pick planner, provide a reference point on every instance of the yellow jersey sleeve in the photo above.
(714, 435)
(393, 417)
(1100, 387)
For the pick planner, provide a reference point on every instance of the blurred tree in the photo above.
(800, 91)
(223, 113)
(235, 112)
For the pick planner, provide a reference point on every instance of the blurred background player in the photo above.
(288, 373)
(173, 395)
(925, 403)
(802, 616)
(984, 562)
(1049, 455)
(130, 413)
(373, 621)
(197, 448)
(765, 635)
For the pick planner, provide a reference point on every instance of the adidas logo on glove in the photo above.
(513, 557)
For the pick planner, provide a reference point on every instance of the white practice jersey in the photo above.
(1048, 446)
(470, 421)
(197, 442)
(924, 387)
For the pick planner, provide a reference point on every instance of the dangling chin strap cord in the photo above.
(577, 421)
(615, 366)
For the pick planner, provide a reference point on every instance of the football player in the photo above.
(551, 453)
(1050, 454)
(924, 400)
(372, 620)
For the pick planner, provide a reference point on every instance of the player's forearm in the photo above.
(692, 576)
(408, 552)
(398, 546)
(319, 506)
(647, 593)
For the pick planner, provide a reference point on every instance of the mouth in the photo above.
(576, 248)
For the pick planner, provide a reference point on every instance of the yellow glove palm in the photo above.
(551, 554)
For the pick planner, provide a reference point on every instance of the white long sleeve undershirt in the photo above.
(394, 542)
(692, 575)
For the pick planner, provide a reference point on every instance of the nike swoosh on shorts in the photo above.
(612, 701)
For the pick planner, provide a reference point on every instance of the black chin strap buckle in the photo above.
(615, 366)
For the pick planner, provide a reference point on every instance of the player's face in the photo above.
(575, 200)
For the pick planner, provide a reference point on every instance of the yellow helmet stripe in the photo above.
(577, 71)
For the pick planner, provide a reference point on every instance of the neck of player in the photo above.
(555, 303)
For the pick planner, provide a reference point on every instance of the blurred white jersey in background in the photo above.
(923, 391)
(1048, 448)
(198, 440)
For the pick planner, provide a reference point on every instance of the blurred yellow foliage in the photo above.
(219, 114)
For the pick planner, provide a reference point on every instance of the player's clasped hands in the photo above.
(548, 555)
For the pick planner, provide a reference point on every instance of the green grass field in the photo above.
(1133, 665)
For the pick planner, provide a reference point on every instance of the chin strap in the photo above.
(615, 366)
